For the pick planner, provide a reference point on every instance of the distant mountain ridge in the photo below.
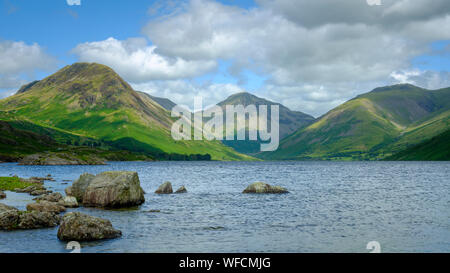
(371, 126)
(289, 121)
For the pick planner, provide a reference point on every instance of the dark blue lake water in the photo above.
(331, 207)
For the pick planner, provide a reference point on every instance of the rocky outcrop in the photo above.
(182, 189)
(63, 158)
(46, 206)
(261, 187)
(76, 226)
(165, 188)
(2, 195)
(11, 219)
(51, 197)
(68, 202)
(108, 190)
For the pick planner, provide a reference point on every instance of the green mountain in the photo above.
(92, 101)
(371, 126)
(437, 148)
(289, 121)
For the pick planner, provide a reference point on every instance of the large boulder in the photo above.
(2, 195)
(165, 188)
(51, 197)
(77, 226)
(261, 187)
(68, 202)
(113, 189)
(46, 206)
(11, 218)
(79, 187)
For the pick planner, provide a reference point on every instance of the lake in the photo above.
(331, 207)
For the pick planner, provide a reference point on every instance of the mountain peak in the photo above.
(397, 87)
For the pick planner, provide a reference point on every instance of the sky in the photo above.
(308, 55)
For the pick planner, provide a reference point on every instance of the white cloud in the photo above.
(314, 54)
(183, 92)
(74, 2)
(318, 52)
(137, 61)
(427, 79)
(19, 61)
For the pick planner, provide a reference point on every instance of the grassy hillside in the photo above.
(92, 101)
(371, 126)
(437, 148)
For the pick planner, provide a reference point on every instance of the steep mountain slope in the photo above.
(91, 100)
(165, 103)
(289, 121)
(437, 148)
(371, 126)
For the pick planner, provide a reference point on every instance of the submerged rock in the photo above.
(68, 202)
(182, 189)
(77, 226)
(261, 187)
(46, 206)
(165, 188)
(51, 197)
(2, 195)
(116, 189)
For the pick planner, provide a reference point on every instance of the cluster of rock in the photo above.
(2, 195)
(115, 189)
(166, 188)
(105, 190)
(11, 218)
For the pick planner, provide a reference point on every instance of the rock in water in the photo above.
(51, 197)
(182, 189)
(165, 188)
(2, 195)
(109, 190)
(11, 218)
(38, 219)
(45, 206)
(68, 202)
(76, 226)
(261, 187)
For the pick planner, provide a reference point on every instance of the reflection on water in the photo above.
(331, 207)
